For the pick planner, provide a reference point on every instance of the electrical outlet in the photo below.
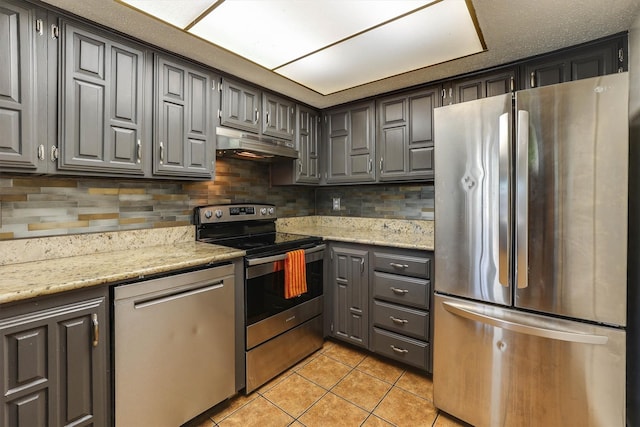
(336, 203)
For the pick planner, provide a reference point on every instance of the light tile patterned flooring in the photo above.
(337, 386)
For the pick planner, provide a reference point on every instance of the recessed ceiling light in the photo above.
(329, 45)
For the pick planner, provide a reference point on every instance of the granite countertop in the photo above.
(410, 234)
(53, 274)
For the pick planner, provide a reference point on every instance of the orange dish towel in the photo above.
(295, 274)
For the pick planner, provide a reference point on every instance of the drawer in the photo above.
(405, 321)
(400, 348)
(402, 290)
(402, 264)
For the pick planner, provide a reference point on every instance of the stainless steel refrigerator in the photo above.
(531, 256)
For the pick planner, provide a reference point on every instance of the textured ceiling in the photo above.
(512, 30)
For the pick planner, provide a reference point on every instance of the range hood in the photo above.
(249, 146)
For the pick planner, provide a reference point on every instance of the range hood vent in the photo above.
(249, 146)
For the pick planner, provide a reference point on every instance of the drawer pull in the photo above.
(398, 350)
(396, 265)
(398, 321)
(399, 291)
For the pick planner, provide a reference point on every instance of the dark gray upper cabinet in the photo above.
(306, 168)
(350, 143)
(493, 83)
(404, 148)
(278, 116)
(22, 42)
(55, 369)
(184, 140)
(240, 108)
(104, 101)
(591, 60)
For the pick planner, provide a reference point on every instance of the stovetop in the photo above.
(250, 227)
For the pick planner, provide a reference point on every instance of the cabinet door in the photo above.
(56, 365)
(102, 108)
(184, 143)
(17, 81)
(240, 107)
(308, 138)
(598, 59)
(405, 135)
(485, 85)
(351, 295)
(278, 116)
(350, 144)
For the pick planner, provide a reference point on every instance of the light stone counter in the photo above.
(411, 234)
(56, 267)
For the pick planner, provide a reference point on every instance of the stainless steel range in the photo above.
(279, 331)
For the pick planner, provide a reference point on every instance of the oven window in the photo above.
(264, 294)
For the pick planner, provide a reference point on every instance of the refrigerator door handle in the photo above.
(555, 334)
(503, 199)
(522, 199)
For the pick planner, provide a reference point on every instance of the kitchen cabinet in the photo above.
(240, 106)
(248, 108)
(184, 140)
(590, 60)
(404, 148)
(23, 43)
(350, 143)
(401, 327)
(278, 116)
(305, 169)
(350, 289)
(105, 101)
(479, 86)
(54, 356)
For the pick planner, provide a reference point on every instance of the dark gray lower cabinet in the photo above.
(54, 358)
(350, 288)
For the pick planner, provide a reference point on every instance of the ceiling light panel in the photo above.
(275, 32)
(179, 13)
(438, 33)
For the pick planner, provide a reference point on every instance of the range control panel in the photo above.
(234, 212)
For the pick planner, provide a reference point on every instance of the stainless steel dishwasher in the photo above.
(174, 346)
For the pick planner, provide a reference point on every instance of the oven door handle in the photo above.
(280, 257)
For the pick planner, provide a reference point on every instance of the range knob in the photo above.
(272, 211)
(208, 214)
(218, 213)
(263, 211)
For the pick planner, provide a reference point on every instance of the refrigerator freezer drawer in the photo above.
(403, 349)
(501, 367)
(401, 289)
(406, 321)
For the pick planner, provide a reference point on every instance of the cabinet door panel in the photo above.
(76, 370)
(88, 142)
(240, 106)
(351, 295)
(125, 88)
(26, 353)
(17, 97)
(392, 158)
(198, 105)
(28, 411)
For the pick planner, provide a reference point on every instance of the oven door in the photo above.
(267, 312)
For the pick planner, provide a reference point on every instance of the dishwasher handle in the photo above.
(172, 296)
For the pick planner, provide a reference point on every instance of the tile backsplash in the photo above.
(36, 206)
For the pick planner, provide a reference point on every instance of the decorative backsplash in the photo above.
(36, 206)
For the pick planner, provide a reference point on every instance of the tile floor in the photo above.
(337, 386)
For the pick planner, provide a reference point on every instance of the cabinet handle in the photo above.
(96, 329)
(267, 116)
(300, 166)
(370, 165)
(396, 265)
(532, 79)
(512, 84)
(399, 291)
(139, 152)
(41, 152)
(54, 153)
(39, 27)
(381, 163)
(362, 265)
(398, 321)
(398, 350)
(161, 153)
(257, 115)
